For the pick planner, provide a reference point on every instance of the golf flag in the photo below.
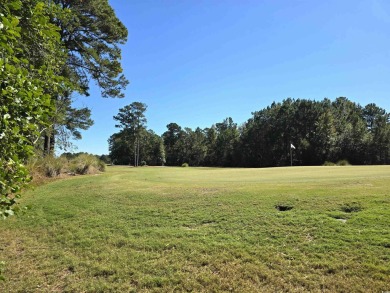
(292, 147)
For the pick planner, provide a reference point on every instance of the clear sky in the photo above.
(197, 62)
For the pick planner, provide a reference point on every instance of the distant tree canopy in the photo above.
(320, 131)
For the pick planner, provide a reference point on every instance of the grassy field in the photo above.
(161, 229)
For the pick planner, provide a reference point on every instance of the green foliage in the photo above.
(66, 124)
(185, 165)
(321, 131)
(151, 148)
(25, 106)
(132, 120)
(327, 163)
(48, 50)
(91, 34)
(105, 158)
(173, 144)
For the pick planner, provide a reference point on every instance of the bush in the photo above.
(343, 163)
(143, 163)
(185, 165)
(328, 163)
(53, 166)
(86, 164)
(101, 166)
(48, 166)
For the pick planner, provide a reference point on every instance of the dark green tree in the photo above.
(172, 139)
(378, 127)
(227, 139)
(132, 120)
(151, 153)
(120, 148)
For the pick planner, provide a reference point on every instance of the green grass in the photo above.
(203, 230)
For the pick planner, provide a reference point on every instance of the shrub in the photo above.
(143, 163)
(53, 166)
(86, 164)
(101, 166)
(185, 165)
(48, 166)
(328, 163)
(343, 163)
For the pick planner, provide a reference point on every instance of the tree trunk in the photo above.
(137, 152)
(48, 148)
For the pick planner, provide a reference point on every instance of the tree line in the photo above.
(305, 131)
(51, 51)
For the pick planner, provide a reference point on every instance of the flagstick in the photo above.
(291, 154)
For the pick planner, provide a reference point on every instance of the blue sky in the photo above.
(197, 62)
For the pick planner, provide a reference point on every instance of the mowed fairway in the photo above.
(156, 229)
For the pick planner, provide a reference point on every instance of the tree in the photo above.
(25, 88)
(227, 138)
(132, 120)
(378, 127)
(172, 139)
(91, 34)
(210, 142)
(152, 151)
(351, 138)
(120, 148)
(66, 124)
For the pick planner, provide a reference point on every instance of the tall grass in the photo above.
(41, 167)
(86, 164)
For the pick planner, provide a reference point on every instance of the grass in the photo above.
(203, 230)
